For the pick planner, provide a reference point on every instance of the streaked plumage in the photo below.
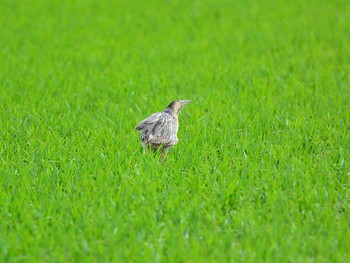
(160, 129)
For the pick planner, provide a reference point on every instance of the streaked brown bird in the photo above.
(159, 130)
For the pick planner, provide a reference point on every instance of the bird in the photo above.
(159, 130)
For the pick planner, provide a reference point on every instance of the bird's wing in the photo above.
(164, 130)
(149, 122)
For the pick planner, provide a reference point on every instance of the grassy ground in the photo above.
(261, 171)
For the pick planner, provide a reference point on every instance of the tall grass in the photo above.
(261, 171)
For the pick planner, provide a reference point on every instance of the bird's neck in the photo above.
(172, 112)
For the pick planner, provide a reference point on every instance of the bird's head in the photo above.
(176, 106)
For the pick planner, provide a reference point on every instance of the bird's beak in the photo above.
(184, 102)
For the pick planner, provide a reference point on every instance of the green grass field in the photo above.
(261, 172)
